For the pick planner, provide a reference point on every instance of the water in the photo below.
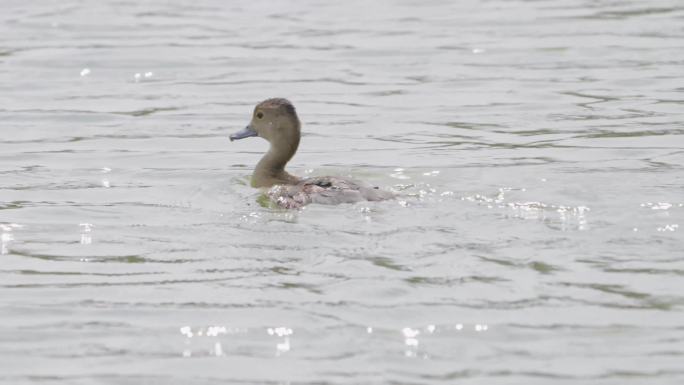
(538, 148)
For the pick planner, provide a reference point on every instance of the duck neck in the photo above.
(271, 168)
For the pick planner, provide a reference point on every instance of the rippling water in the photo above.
(538, 148)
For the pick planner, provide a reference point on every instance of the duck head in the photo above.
(276, 121)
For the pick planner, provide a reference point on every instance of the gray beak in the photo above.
(244, 133)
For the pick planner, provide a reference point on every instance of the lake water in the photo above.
(537, 147)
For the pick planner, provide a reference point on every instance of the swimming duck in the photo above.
(276, 121)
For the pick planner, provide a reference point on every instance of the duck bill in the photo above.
(244, 133)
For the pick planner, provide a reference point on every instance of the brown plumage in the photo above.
(276, 121)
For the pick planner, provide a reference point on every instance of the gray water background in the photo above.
(537, 146)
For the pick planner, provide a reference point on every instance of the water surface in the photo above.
(537, 147)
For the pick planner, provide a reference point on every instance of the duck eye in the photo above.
(259, 115)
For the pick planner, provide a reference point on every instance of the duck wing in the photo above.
(345, 190)
(328, 190)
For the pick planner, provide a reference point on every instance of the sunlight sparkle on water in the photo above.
(399, 174)
(658, 205)
(672, 227)
(218, 349)
(5, 240)
(86, 237)
(410, 336)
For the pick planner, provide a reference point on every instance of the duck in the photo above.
(276, 121)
